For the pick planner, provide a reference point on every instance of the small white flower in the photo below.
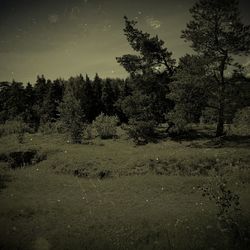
(146, 200)
(58, 200)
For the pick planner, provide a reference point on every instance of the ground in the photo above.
(111, 194)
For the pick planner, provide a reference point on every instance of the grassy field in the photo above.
(110, 194)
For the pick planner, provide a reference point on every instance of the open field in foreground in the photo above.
(109, 194)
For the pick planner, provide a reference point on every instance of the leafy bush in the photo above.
(17, 127)
(87, 134)
(241, 122)
(141, 131)
(106, 126)
(52, 127)
(178, 118)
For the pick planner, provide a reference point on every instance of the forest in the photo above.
(158, 160)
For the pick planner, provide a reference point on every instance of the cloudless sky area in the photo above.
(63, 38)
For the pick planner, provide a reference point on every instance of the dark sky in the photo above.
(62, 38)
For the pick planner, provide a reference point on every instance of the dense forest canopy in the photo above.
(158, 90)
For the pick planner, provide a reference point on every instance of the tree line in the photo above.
(208, 86)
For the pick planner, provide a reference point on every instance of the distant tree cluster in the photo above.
(208, 86)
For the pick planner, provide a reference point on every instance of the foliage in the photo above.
(241, 121)
(71, 115)
(189, 90)
(150, 71)
(88, 132)
(178, 118)
(52, 127)
(152, 56)
(217, 33)
(228, 208)
(17, 127)
(141, 131)
(242, 117)
(105, 126)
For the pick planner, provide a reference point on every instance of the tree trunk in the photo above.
(221, 120)
(221, 117)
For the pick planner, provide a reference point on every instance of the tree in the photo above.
(97, 95)
(12, 96)
(87, 100)
(217, 33)
(71, 114)
(108, 97)
(152, 55)
(150, 72)
(49, 109)
(191, 91)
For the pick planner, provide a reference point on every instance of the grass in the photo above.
(138, 205)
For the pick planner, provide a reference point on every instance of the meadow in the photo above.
(111, 194)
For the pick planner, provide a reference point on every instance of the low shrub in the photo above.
(241, 122)
(17, 127)
(141, 131)
(229, 215)
(88, 133)
(51, 128)
(106, 126)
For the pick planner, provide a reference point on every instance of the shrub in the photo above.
(106, 126)
(87, 134)
(52, 127)
(228, 210)
(241, 122)
(141, 131)
(17, 127)
(177, 117)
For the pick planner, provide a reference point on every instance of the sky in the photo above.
(63, 38)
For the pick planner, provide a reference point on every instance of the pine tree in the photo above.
(150, 70)
(217, 33)
(97, 96)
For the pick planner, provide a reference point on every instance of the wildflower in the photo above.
(58, 200)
